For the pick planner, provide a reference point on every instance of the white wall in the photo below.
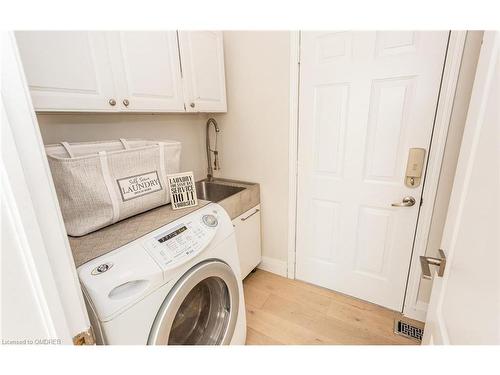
(253, 143)
(186, 128)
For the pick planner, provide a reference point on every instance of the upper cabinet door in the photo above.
(147, 71)
(67, 70)
(202, 59)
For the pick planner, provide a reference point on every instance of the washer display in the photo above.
(181, 243)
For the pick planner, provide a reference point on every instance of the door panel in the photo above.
(39, 251)
(387, 128)
(330, 125)
(147, 70)
(366, 98)
(465, 303)
(67, 70)
(375, 227)
(202, 59)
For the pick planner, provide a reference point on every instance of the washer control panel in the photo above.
(178, 244)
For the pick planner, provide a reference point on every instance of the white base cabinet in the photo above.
(136, 71)
(247, 229)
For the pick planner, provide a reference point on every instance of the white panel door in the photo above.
(366, 98)
(41, 294)
(202, 59)
(67, 70)
(147, 70)
(465, 303)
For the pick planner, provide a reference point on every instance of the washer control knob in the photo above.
(210, 220)
(102, 268)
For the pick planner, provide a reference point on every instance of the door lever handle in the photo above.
(440, 262)
(407, 202)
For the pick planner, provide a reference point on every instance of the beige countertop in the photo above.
(107, 239)
(112, 237)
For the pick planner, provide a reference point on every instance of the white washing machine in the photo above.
(179, 284)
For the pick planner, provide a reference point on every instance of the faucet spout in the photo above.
(210, 169)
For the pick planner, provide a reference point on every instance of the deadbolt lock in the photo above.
(414, 167)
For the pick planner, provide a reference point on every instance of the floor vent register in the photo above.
(408, 330)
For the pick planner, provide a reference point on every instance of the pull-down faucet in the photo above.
(210, 170)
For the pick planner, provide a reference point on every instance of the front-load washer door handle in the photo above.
(128, 289)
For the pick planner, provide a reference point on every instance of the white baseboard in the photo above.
(417, 312)
(279, 267)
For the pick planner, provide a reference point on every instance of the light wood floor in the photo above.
(284, 311)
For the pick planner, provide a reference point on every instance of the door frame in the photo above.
(412, 307)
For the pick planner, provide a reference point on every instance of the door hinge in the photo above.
(85, 337)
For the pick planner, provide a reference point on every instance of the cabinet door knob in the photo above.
(112, 102)
(126, 102)
(192, 105)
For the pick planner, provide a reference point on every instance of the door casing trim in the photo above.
(412, 307)
(293, 138)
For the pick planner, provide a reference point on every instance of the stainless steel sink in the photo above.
(212, 191)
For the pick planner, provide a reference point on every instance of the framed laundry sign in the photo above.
(182, 190)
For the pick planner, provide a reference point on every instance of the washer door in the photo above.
(201, 309)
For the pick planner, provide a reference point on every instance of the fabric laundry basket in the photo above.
(100, 183)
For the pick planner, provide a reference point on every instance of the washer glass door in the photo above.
(201, 309)
(203, 316)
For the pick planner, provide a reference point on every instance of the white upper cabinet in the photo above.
(147, 71)
(67, 71)
(139, 71)
(202, 57)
